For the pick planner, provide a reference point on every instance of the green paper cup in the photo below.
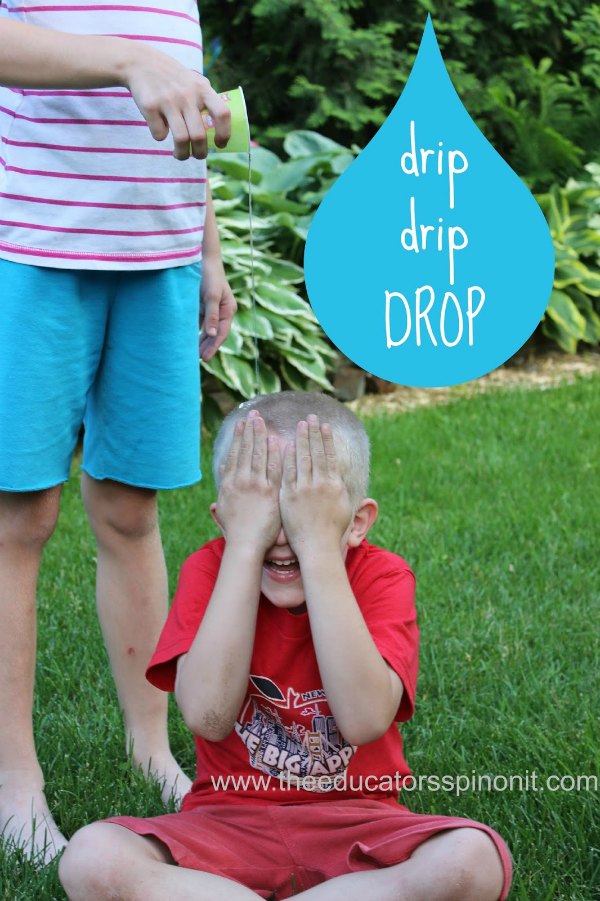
(240, 129)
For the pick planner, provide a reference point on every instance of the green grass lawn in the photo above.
(494, 502)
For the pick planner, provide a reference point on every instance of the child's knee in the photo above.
(477, 868)
(90, 864)
(458, 865)
(28, 518)
(118, 512)
(82, 861)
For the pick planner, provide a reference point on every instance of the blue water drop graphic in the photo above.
(429, 262)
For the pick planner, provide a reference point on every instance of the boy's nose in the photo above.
(281, 539)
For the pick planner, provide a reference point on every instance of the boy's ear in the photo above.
(364, 518)
(213, 513)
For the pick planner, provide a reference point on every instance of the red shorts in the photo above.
(279, 850)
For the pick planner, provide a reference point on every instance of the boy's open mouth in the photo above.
(282, 570)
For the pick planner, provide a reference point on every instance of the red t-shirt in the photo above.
(285, 746)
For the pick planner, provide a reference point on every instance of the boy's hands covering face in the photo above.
(248, 503)
(315, 506)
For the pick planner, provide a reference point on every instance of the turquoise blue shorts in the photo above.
(116, 351)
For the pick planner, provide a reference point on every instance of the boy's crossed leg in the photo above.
(105, 861)
(457, 865)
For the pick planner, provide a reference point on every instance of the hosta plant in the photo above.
(573, 214)
(275, 341)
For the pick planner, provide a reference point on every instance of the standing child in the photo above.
(292, 648)
(101, 234)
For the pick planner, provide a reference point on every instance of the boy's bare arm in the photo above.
(212, 677)
(362, 690)
(169, 95)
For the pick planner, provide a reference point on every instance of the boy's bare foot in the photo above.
(165, 770)
(27, 825)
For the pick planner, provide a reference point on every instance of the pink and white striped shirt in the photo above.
(82, 182)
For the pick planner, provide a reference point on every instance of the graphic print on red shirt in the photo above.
(311, 747)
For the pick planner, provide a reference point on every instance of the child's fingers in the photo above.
(179, 131)
(158, 125)
(244, 462)
(289, 474)
(209, 319)
(329, 450)
(198, 144)
(258, 463)
(303, 458)
(317, 451)
(220, 114)
(273, 461)
(231, 461)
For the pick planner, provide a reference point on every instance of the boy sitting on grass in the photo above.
(292, 648)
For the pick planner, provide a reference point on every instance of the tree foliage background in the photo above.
(528, 71)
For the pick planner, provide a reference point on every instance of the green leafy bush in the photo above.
(535, 106)
(528, 72)
(573, 214)
(307, 64)
(280, 327)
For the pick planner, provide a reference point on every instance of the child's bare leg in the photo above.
(132, 605)
(105, 860)
(458, 865)
(27, 520)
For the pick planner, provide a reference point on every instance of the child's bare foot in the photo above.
(165, 770)
(27, 825)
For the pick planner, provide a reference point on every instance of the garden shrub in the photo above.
(528, 72)
(280, 326)
(573, 214)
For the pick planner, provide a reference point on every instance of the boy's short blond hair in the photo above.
(284, 410)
